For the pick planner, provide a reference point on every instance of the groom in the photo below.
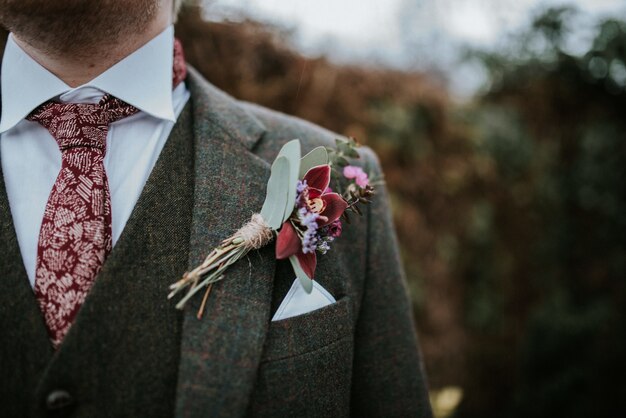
(121, 168)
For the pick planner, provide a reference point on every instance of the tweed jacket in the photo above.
(356, 357)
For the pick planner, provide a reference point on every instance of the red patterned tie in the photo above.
(75, 236)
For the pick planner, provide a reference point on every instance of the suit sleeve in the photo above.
(388, 375)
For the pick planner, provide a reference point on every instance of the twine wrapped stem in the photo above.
(252, 236)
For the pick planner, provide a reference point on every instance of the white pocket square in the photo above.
(298, 301)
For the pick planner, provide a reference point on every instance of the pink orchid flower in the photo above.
(318, 199)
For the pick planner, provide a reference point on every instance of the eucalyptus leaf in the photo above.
(291, 151)
(319, 156)
(305, 281)
(277, 196)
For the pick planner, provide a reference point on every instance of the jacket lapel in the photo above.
(220, 353)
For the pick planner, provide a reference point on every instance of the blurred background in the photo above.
(501, 126)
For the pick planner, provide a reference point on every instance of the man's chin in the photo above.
(33, 8)
(80, 24)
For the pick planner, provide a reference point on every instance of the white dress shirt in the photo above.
(31, 158)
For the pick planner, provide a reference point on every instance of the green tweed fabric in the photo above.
(362, 360)
(358, 357)
(120, 357)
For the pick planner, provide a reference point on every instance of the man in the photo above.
(120, 170)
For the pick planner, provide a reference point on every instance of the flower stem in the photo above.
(204, 299)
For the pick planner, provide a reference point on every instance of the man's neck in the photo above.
(78, 69)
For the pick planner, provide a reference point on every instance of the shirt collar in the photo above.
(142, 79)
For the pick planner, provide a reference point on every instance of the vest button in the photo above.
(58, 399)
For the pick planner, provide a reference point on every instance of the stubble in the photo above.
(76, 27)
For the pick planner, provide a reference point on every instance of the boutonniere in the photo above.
(301, 210)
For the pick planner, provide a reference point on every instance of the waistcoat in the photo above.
(125, 342)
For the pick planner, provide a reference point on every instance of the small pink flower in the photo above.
(334, 229)
(357, 173)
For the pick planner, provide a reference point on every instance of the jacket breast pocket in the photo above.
(306, 366)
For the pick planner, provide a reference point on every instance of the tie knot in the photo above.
(81, 124)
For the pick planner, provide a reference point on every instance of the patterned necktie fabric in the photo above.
(75, 235)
